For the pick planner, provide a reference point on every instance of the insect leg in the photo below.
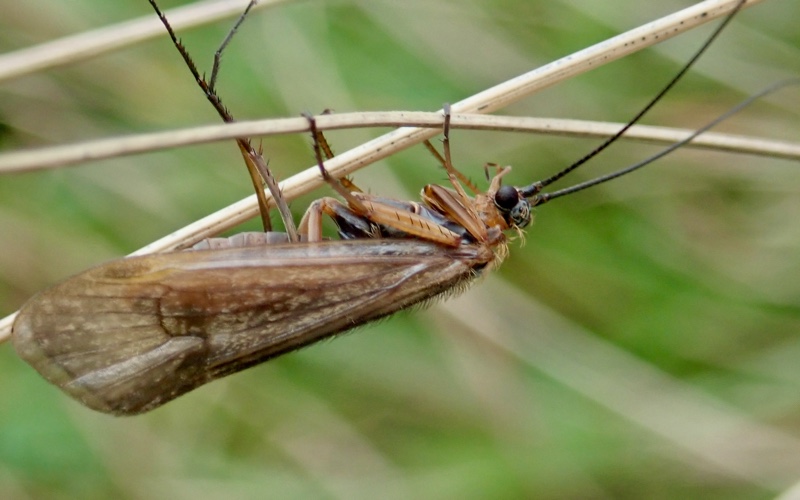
(212, 81)
(389, 219)
(256, 165)
(336, 184)
(461, 177)
(321, 140)
(351, 225)
(372, 210)
(327, 150)
(452, 173)
(459, 207)
(497, 178)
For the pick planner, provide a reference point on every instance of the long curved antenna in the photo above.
(541, 198)
(537, 186)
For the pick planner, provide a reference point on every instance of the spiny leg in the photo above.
(254, 160)
(212, 82)
(321, 140)
(336, 184)
(325, 146)
(496, 179)
(351, 225)
(461, 177)
(256, 165)
(452, 173)
(368, 211)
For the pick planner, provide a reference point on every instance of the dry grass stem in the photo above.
(75, 48)
(71, 154)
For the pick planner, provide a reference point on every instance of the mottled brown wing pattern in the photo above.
(130, 335)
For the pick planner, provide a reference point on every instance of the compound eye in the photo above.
(506, 198)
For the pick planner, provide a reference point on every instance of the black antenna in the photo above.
(541, 198)
(536, 187)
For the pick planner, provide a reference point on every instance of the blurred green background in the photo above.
(644, 342)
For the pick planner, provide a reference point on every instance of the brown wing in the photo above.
(130, 335)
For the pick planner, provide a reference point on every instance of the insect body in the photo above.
(130, 335)
(133, 334)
